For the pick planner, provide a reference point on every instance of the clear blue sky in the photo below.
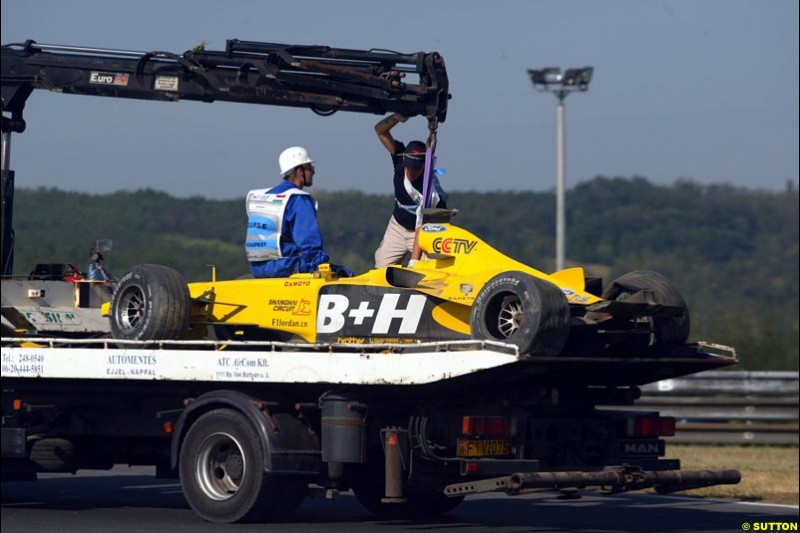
(706, 90)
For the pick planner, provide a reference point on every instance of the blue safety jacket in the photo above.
(300, 240)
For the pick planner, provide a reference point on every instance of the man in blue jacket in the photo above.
(283, 236)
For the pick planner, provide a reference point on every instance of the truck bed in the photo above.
(367, 365)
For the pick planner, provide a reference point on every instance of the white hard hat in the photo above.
(293, 157)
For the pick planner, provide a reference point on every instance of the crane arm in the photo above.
(321, 78)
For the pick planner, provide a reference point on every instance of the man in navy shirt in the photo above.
(409, 164)
(283, 236)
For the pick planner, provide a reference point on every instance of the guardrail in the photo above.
(722, 407)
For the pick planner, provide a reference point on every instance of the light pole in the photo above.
(552, 80)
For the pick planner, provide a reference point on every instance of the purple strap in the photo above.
(427, 180)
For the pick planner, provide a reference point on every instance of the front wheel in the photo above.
(222, 472)
(520, 309)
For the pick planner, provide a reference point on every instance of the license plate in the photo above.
(483, 448)
(642, 448)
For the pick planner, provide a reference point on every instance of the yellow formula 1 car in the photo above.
(463, 289)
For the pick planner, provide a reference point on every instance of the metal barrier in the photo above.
(722, 407)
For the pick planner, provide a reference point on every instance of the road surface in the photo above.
(127, 500)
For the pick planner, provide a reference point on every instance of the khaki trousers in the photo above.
(396, 242)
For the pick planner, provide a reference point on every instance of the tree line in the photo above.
(732, 252)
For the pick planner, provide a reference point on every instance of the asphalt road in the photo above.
(127, 500)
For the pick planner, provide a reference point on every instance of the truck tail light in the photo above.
(651, 426)
(471, 468)
(485, 426)
(667, 426)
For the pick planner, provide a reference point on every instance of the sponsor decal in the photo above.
(357, 314)
(288, 324)
(375, 340)
(387, 317)
(392, 340)
(297, 283)
(572, 297)
(282, 305)
(433, 228)
(303, 308)
(450, 245)
(166, 83)
(350, 340)
(109, 78)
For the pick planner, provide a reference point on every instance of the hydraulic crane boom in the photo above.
(320, 78)
(323, 79)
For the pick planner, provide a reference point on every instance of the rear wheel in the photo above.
(518, 308)
(222, 472)
(666, 329)
(151, 302)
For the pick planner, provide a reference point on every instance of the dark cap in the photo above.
(414, 156)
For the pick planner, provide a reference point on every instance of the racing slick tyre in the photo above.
(221, 468)
(666, 329)
(520, 309)
(151, 302)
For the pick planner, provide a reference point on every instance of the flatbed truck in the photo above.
(251, 427)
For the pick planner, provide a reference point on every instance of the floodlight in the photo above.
(550, 79)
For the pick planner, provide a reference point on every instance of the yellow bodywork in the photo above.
(457, 259)
(455, 267)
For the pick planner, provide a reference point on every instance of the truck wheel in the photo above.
(222, 473)
(666, 329)
(520, 309)
(151, 302)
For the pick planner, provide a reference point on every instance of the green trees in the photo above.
(732, 252)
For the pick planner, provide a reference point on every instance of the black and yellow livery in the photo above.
(462, 289)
